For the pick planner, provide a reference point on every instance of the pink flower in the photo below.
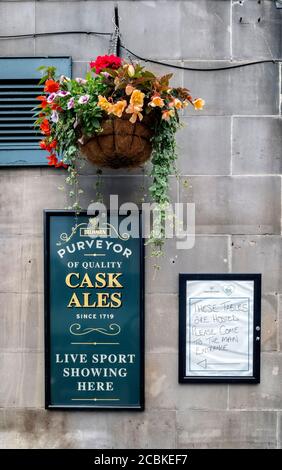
(51, 97)
(71, 103)
(54, 116)
(84, 99)
(63, 93)
(82, 81)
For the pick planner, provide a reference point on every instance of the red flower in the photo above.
(51, 86)
(53, 144)
(61, 165)
(104, 62)
(43, 145)
(55, 106)
(43, 100)
(45, 127)
(48, 147)
(52, 160)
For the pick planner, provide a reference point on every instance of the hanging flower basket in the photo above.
(119, 116)
(120, 144)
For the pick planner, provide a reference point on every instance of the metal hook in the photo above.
(115, 43)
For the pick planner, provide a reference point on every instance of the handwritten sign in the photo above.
(94, 313)
(220, 315)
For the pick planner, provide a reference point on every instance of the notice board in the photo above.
(94, 319)
(219, 327)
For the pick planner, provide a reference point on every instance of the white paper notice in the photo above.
(219, 332)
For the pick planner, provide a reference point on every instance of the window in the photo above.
(18, 90)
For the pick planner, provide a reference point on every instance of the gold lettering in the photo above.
(74, 302)
(68, 280)
(113, 282)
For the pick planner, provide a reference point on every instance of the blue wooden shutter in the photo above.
(18, 89)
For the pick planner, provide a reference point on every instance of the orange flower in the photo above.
(129, 89)
(118, 108)
(45, 127)
(104, 104)
(137, 99)
(199, 104)
(156, 101)
(51, 86)
(175, 103)
(135, 106)
(135, 116)
(166, 115)
(43, 100)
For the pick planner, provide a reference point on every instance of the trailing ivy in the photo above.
(164, 157)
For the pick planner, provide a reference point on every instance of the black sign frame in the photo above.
(47, 337)
(183, 378)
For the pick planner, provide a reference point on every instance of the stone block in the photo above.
(70, 16)
(33, 428)
(128, 188)
(164, 392)
(23, 47)
(10, 271)
(17, 18)
(259, 255)
(269, 330)
(79, 69)
(207, 22)
(223, 90)
(160, 70)
(88, 169)
(148, 20)
(11, 203)
(153, 429)
(32, 264)
(21, 321)
(80, 47)
(256, 35)
(161, 323)
(22, 383)
(238, 204)
(279, 418)
(204, 146)
(257, 143)
(280, 323)
(41, 429)
(267, 394)
(226, 430)
(209, 254)
(48, 196)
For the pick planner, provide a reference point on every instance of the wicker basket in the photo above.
(121, 144)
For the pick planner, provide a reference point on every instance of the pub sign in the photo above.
(94, 319)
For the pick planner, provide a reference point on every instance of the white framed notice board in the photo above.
(219, 328)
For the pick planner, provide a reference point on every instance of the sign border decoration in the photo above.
(183, 378)
(47, 214)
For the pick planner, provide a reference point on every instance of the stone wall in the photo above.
(230, 153)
